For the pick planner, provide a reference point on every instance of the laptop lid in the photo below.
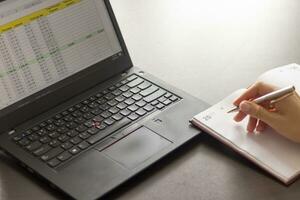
(51, 50)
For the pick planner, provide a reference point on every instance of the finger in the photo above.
(261, 126)
(258, 112)
(239, 116)
(251, 124)
(253, 91)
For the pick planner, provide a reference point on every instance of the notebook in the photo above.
(269, 150)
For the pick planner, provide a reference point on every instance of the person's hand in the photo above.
(283, 114)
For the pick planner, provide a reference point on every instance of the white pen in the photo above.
(270, 96)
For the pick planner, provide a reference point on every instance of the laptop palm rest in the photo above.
(137, 147)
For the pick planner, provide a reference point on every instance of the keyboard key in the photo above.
(101, 101)
(17, 138)
(93, 131)
(42, 150)
(133, 116)
(88, 115)
(120, 98)
(54, 134)
(137, 97)
(98, 119)
(133, 108)
(129, 101)
(149, 90)
(148, 108)
(160, 106)
(141, 103)
(36, 128)
(66, 145)
(51, 127)
(109, 96)
(112, 103)
(102, 134)
(162, 99)
(124, 88)
(33, 146)
(117, 117)
(68, 118)
(132, 77)
(154, 103)
(141, 112)
(72, 133)
(144, 85)
(104, 106)
(159, 93)
(114, 110)
(135, 90)
(85, 109)
(168, 95)
(62, 130)
(64, 156)
(42, 132)
(173, 98)
(109, 121)
(45, 139)
(58, 116)
(75, 140)
(96, 111)
(54, 162)
(59, 122)
(81, 128)
(121, 106)
(117, 92)
(92, 98)
(101, 126)
(74, 150)
(54, 143)
(125, 112)
(105, 114)
(71, 109)
(83, 145)
(104, 92)
(63, 138)
(52, 153)
(64, 113)
(89, 123)
(134, 83)
(93, 105)
(77, 114)
(71, 125)
(84, 135)
(127, 94)
(33, 137)
(167, 102)
(79, 120)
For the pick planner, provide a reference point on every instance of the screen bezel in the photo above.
(75, 84)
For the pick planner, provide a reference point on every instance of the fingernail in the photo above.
(245, 107)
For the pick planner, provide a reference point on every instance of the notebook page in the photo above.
(269, 149)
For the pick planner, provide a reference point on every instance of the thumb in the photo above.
(257, 111)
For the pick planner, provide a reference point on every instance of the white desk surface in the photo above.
(209, 49)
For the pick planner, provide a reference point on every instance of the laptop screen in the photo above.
(45, 41)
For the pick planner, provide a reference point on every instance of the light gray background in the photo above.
(209, 49)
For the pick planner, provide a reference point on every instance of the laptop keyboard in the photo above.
(66, 134)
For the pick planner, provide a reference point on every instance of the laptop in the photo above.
(74, 111)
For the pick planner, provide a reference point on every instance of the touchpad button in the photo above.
(137, 147)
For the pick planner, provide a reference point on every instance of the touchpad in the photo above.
(137, 147)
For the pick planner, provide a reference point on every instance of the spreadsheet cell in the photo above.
(47, 45)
